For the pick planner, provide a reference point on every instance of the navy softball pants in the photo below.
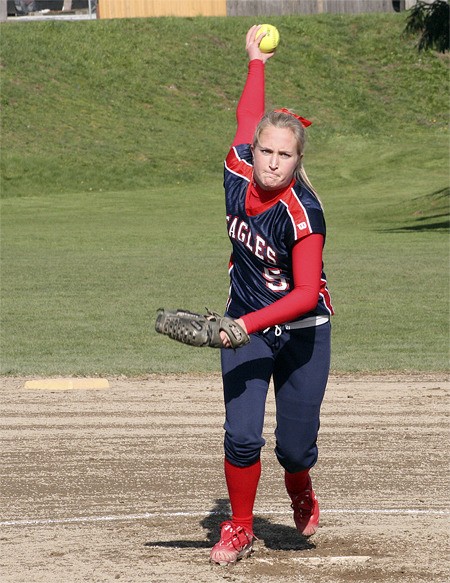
(298, 361)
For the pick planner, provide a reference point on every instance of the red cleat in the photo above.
(235, 544)
(306, 512)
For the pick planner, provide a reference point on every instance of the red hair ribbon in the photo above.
(305, 122)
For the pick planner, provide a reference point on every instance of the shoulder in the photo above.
(240, 153)
(239, 161)
(305, 211)
(306, 197)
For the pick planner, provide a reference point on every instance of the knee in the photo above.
(297, 458)
(242, 452)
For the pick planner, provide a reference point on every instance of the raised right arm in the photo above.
(251, 105)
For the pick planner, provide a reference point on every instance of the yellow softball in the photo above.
(270, 42)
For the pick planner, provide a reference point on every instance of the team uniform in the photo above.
(261, 274)
(281, 294)
(262, 242)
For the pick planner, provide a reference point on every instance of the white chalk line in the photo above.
(155, 515)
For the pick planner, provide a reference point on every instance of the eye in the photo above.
(285, 155)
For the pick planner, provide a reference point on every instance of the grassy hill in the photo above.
(113, 136)
(142, 102)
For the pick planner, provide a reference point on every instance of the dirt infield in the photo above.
(125, 484)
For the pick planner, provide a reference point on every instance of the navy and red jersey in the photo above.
(276, 269)
(261, 260)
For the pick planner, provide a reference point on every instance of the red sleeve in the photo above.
(307, 272)
(250, 108)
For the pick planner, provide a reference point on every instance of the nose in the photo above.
(273, 162)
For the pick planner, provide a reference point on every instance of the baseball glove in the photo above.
(198, 329)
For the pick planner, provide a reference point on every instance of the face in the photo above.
(275, 158)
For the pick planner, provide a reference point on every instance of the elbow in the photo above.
(308, 298)
(311, 305)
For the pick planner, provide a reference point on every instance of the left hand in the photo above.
(224, 336)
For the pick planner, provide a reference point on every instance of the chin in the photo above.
(270, 183)
(273, 185)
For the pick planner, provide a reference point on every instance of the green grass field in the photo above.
(113, 137)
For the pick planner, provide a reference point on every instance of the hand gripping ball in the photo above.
(270, 42)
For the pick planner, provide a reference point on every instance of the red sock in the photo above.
(242, 484)
(297, 482)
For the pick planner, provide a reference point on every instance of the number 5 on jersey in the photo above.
(275, 281)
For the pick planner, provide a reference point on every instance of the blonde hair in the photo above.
(283, 120)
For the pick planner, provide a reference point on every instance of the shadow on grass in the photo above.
(431, 207)
(275, 536)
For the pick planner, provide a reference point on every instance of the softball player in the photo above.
(278, 293)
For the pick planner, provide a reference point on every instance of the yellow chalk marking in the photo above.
(67, 384)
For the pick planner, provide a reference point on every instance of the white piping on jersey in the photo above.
(237, 174)
(328, 305)
(325, 303)
(303, 209)
(240, 160)
(294, 224)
